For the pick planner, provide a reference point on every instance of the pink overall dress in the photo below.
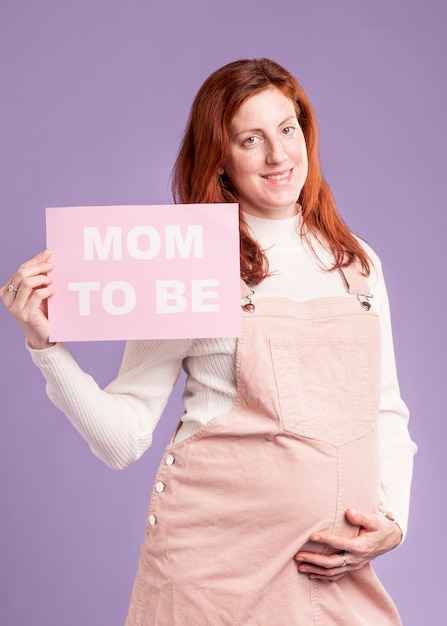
(233, 503)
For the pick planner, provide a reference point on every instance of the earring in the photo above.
(220, 171)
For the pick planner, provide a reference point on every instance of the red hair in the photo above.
(205, 146)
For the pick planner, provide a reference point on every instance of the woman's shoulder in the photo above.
(376, 278)
(370, 251)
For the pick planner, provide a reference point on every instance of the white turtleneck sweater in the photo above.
(118, 422)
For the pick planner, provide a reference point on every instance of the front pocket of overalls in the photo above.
(325, 388)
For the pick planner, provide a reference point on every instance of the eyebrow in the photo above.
(257, 130)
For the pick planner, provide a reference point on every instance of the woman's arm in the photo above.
(117, 422)
(396, 447)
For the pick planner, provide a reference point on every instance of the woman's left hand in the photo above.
(377, 535)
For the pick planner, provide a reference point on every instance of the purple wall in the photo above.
(95, 94)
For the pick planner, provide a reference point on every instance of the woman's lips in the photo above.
(278, 175)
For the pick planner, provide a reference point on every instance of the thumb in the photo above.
(43, 256)
(361, 519)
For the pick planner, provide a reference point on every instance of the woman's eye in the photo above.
(288, 130)
(249, 141)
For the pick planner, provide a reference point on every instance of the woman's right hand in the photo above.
(25, 296)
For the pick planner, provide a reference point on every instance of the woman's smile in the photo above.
(280, 176)
(267, 159)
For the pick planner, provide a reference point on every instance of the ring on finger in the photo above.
(12, 288)
(345, 560)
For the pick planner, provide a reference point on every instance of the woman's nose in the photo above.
(275, 152)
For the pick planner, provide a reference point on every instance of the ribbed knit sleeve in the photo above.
(117, 422)
(396, 447)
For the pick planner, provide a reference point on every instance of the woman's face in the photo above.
(267, 160)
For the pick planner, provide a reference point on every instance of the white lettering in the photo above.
(177, 244)
(129, 299)
(84, 290)
(112, 239)
(194, 239)
(169, 296)
(198, 295)
(153, 247)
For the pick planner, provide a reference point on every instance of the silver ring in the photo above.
(12, 288)
(345, 560)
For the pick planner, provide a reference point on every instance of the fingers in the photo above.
(376, 535)
(40, 257)
(36, 266)
(30, 275)
(339, 543)
(357, 518)
(325, 561)
(327, 567)
(25, 295)
(347, 552)
(328, 561)
(364, 522)
(30, 296)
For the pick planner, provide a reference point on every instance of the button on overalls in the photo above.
(236, 501)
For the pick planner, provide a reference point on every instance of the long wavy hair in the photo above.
(205, 146)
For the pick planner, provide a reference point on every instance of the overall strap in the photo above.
(357, 283)
(246, 292)
(245, 289)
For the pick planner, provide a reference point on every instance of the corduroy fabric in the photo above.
(233, 503)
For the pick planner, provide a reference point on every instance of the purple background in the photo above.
(95, 95)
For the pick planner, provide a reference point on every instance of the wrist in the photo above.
(38, 345)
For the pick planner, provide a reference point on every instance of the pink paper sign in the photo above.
(144, 272)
